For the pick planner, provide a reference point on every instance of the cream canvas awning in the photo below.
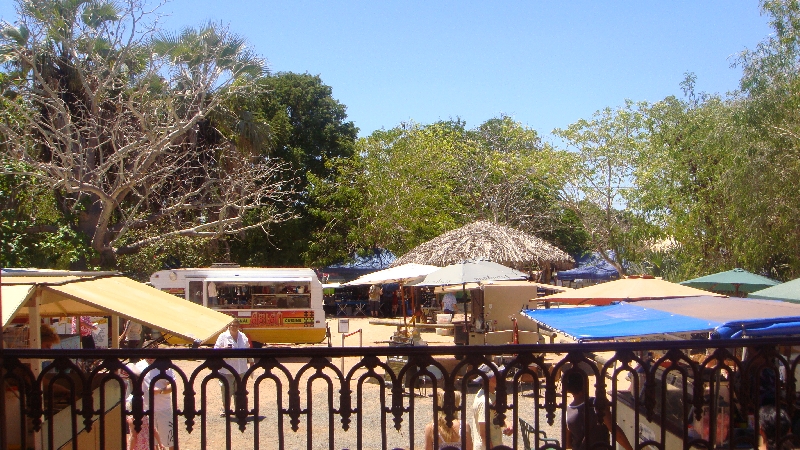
(626, 289)
(115, 295)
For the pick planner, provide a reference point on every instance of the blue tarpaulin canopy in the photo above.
(590, 267)
(728, 317)
(615, 321)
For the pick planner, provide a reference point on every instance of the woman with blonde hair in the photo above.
(448, 436)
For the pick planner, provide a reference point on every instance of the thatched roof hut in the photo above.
(487, 240)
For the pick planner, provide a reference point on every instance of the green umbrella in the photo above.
(788, 292)
(738, 281)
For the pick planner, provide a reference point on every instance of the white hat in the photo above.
(134, 369)
(490, 369)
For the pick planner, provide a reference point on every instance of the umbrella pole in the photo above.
(463, 298)
(403, 307)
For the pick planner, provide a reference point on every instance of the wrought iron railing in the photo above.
(694, 394)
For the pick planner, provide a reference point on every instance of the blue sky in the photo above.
(547, 64)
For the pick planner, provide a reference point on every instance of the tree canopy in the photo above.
(414, 182)
(112, 114)
(307, 129)
(121, 138)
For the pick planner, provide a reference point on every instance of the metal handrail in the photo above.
(352, 398)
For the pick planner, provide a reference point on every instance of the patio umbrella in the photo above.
(738, 281)
(787, 292)
(629, 289)
(471, 271)
(403, 274)
(399, 274)
(490, 241)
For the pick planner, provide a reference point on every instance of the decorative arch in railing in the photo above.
(283, 398)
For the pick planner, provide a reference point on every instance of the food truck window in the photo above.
(301, 301)
(196, 292)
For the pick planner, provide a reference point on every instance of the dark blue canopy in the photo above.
(590, 267)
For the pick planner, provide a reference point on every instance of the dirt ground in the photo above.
(319, 427)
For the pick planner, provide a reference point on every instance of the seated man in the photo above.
(584, 430)
(449, 303)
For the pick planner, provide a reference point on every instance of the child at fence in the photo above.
(448, 436)
(141, 440)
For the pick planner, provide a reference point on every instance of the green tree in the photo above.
(599, 169)
(769, 112)
(415, 182)
(297, 120)
(112, 115)
(33, 233)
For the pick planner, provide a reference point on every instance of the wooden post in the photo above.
(113, 328)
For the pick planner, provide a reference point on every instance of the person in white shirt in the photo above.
(132, 335)
(233, 338)
(162, 401)
(449, 303)
(482, 431)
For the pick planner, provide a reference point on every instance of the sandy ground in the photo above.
(318, 428)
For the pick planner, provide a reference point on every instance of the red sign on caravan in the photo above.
(266, 319)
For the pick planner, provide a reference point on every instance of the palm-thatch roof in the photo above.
(487, 240)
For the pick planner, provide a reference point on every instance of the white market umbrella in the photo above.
(400, 274)
(471, 271)
(406, 273)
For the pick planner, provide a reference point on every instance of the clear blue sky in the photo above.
(547, 64)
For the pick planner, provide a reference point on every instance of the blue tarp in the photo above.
(590, 267)
(727, 317)
(616, 320)
(758, 328)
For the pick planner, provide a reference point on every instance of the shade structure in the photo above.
(738, 281)
(400, 274)
(471, 271)
(490, 241)
(724, 309)
(619, 320)
(787, 292)
(627, 289)
(111, 295)
(728, 317)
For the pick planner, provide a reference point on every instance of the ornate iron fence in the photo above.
(692, 394)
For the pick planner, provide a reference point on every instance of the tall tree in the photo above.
(112, 115)
(300, 123)
(418, 181)
(506, 176)
(599, 179)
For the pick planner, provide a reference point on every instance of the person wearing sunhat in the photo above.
(481, 431)
(232, 338)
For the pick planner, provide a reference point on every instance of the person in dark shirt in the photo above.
(584, 429)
